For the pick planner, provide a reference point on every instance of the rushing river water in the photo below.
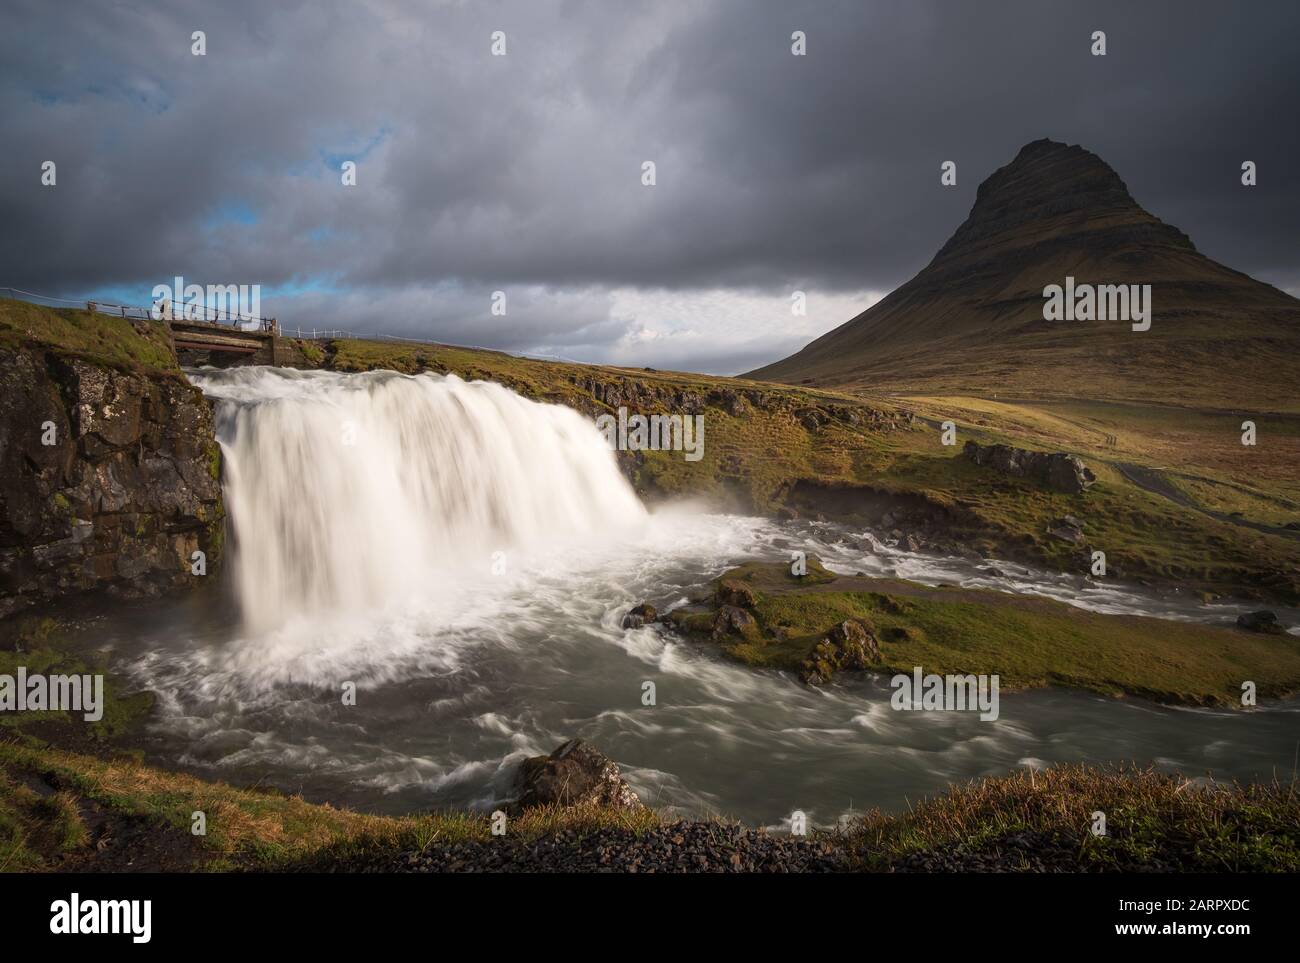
(464, 557)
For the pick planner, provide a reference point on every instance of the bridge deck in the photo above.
(190, 335)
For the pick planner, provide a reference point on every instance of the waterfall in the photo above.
(347, 492)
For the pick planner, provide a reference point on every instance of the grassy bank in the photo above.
(1043, 821)
(66, 811)
(49, 796)
(1146, 537)
(122, 343)
(1027, 641)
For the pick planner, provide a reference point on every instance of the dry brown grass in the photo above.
(254, 827)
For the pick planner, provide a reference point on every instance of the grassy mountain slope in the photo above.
(971, 322)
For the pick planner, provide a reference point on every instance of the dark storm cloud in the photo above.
(522, 173)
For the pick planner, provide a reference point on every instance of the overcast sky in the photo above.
(523, 173)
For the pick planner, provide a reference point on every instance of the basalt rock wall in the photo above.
(109, 480)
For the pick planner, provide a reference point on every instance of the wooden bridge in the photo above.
(221, 342)
(208, 342)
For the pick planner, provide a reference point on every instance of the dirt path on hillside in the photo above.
(1153, 480)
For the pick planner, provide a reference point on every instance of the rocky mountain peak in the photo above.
(1051, 188)
(972, 320)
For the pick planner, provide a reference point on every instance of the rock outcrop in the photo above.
(1264, 621)
(731, 620)
(649, 396)
(1055, 470)
(1067, 529)
(639, 615)
(733, 591)
(851, 644)
(575, 774)
(109, 479)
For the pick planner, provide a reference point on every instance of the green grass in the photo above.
(90, 335)
(1197, 453)
(1144, 535)
(310, 350)
(18, 826)
(40, 646)
(246, 828)
(1150, 818)
(1027, 641)
(61, 816)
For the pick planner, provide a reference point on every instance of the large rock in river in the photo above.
(1263, 621)
(639, 615)
(575, 774)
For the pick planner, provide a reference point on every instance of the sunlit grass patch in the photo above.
(250, 828)
(1028, 641)
(1150, 818)
(93, 335)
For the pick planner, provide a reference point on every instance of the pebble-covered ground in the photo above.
(708, 847)
(677, 848)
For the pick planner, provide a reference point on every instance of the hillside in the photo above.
(1178, 500)
(971, 322)
(858, 457)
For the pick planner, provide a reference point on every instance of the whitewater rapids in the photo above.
(464, 557)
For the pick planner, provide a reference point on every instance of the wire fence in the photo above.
(161, 309)
(270, 325)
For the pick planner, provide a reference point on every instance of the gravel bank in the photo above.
(676, 848)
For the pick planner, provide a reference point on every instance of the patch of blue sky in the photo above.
(132, 295)
(298, 287)
(143, 93)
(231, 212)
(333, 160)
(329, 160)
(52, 98)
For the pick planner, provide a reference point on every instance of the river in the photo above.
(463, 557)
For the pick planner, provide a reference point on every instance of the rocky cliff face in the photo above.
(109, 479)
(646, 397)
(1058, 471)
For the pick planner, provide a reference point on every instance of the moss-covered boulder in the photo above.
(850, 644)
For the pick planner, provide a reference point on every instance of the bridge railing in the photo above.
(170, 310)
(265, 324)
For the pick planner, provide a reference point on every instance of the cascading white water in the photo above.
(348, 492)
(371, 563)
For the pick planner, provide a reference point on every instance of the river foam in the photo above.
(462, 671)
